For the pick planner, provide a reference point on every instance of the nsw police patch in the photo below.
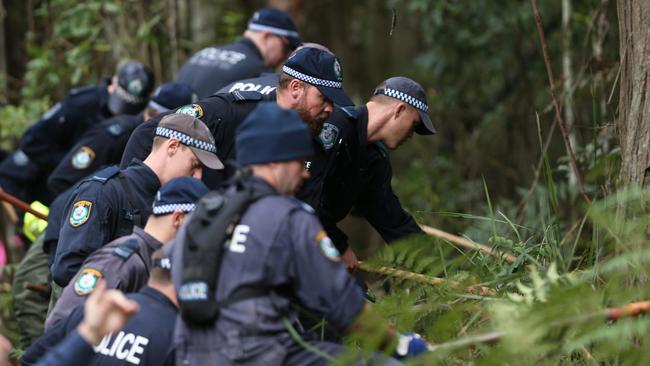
(80, 213)
(86, 281)
(328, 135)
(337, 70)
(327, 247)
(193, 110)
(82, 158)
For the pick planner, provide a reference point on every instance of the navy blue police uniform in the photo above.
(264, 84)
(104, 144)
(212, 68)
(222, 113)
(101, 209)
(278, 246)
(45, 143)
(346, 172)
(145, 339)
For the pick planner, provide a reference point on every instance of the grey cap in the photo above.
(193, 133)
(411, 93)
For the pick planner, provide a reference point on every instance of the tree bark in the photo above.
(634, 101)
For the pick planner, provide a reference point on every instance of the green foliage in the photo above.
(15, 119)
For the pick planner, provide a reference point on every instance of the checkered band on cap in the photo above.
(166, 209)
(394, 93)
(312, 80)
(185, 139)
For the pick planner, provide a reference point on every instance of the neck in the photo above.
(159, 228)
(377, 118)
(166, 289)
(266, 173)
(155, 165)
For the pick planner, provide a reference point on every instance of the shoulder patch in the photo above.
(86, 281)
(82, 158)
(193, 110)
(20, 158)
(327, 247)
(126, 249)
(240, 95)
(115, 129)
(328, 135)
(80, 213)
(351, 111)
(105, 174)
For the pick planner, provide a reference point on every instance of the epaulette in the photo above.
(105, 174)
(239, 95)
(351, 112)
(82, 89)
(126, 249)
(302, 205)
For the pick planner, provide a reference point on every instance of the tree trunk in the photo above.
(634, 101)
(567, 76)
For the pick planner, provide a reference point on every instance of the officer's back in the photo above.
(270, 36)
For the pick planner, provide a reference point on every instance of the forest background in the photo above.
(498, 172)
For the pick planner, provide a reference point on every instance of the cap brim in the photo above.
(118, 105)
(426, 126)
(337, 96)
(208, 159)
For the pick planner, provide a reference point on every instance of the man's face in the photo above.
(289, 176)
(277, 50)
(400, 127)
(183, 163)
(313, 108)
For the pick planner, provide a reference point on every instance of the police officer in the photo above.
(109, 204)
(270, 37)
(125, 262)
(146, 339)
(104, 144)
(267, 81)
(278, 251)
(45, 143)
(310, 83)
(352, 167)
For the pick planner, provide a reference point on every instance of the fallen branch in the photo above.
(556, 103)
(462, 242)
(418, 277)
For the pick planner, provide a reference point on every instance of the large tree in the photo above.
(634, 102)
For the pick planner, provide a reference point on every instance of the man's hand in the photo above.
(105, 311)
(350, 260)
(5, 348)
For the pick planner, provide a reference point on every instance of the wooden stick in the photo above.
(4, 196)
(556, 102)
(462, 242)
(418, 277)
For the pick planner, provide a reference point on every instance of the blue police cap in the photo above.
(135, 82)
(272, 134)
(412, 93)
(277, 22)
(179, 194)
(320, 69)
(171, 96)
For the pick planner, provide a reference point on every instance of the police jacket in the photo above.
(49, 139)
(101, 209)
(348, 172)
(263, 84)
(100, 146)
(222, 113)
(123, 263)
(278, 244)
(146, 338)
(214, 67)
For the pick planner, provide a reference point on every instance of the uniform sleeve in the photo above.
(43, 141)
(379, 204)
(72, 351)
(322, 282)
(88, 155)
(85, 227)
(52, 337)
